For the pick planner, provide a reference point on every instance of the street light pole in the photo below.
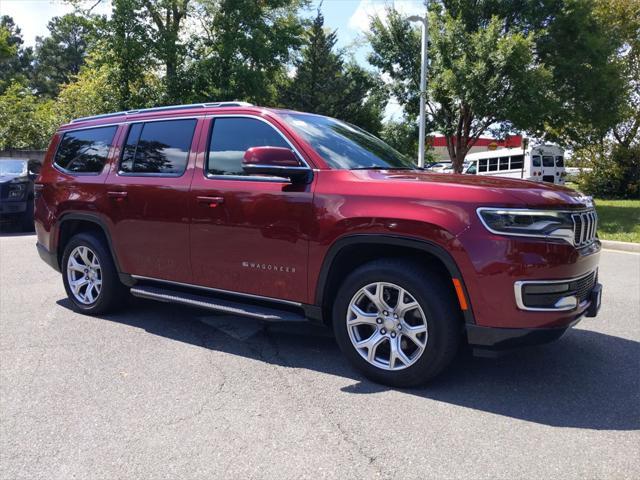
(423, 81)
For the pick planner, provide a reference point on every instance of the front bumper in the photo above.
(507, 338)
(13, 207)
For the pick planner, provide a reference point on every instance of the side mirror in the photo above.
(276, 161)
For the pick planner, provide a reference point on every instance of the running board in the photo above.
(257, 312)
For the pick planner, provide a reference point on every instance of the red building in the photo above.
(439, 145)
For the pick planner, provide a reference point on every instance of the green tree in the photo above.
(60, 56)
(25, 121)
(245, 49)
(15, 63)
(324, 84)
(128, 54)
(499, 66)
(166, 18)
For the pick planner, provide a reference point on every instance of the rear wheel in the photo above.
(90, 276)
(396, 322)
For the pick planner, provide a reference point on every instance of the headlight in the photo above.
(528, 223)
(16, 190)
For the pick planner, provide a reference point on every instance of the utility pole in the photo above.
(423, 79)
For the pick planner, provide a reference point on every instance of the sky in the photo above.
(349, 17)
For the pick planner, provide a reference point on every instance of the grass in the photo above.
(619, 220)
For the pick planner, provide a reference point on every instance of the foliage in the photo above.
(15, 62)
(544, 67)
(167, 18)
(615, 170)
(60, 56)
(128, 55)
(25, 121)
(324, 84)
(403, 136)
(245, 49)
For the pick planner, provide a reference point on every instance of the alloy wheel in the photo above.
(84, 275)
(387, 326)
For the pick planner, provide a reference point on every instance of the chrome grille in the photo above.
(585, 226)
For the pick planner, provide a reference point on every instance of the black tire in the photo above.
(113, 293)
(435, 297)
(26, 219)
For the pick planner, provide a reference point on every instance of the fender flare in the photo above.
(92, 218)
(401, 241)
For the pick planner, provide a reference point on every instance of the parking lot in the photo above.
(160, 391)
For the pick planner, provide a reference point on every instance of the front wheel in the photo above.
(396, 322)
(90, 276)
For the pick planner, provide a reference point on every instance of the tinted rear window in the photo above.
(158, 147)
(85, 151)
(547, 161)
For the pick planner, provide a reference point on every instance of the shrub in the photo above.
(615, 171)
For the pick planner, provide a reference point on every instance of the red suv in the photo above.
(287, 216)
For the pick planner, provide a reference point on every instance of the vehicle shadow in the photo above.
(585, 380)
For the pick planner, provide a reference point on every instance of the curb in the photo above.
(622, 246)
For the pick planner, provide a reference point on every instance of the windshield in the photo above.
(345, 146)
(13, 167)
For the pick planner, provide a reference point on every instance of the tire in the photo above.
(429, 305)
(111, 294)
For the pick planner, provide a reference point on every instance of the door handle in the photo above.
(212, 202)
(117, 195)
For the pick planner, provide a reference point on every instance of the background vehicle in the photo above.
(286, 216)
(16, 191)
(539, 163)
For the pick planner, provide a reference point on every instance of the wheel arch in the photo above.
(75, 222)
(352, 251)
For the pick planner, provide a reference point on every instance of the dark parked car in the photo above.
(288, 216)
(16, 191)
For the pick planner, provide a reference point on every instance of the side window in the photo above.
(158, 147)
(493, 164)
(536, 161)
(482, 166)
(504, 163)
(232, 136)
(517, 161)
(472, 169)
(85, 151)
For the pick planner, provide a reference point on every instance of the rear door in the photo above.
(548, 167)
(148, 191)
(249, 234)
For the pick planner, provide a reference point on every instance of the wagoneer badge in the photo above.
(269, 267)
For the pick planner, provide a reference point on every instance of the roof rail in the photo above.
(164, 109)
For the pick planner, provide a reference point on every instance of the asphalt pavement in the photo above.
(160, 391)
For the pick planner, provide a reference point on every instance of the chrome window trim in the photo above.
(219, 290)
(245, 115)
(532, 211)
(519, 285)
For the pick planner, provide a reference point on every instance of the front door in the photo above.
(249, 234)
(148, 189)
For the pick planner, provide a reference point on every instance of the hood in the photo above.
(481, 189)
